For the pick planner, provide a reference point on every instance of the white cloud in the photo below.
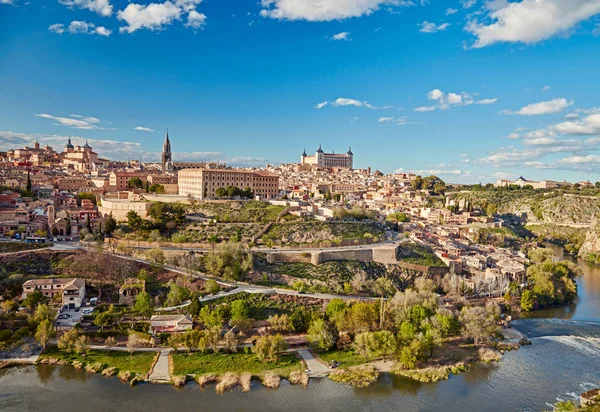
(446, 101)
(530, 21)
(428, 27)
(450, 11)
(143, 129)
(75, 121)
(6, 1)
(341, 36)
(196, 20)
(80, 27)
(425, 109)
(486, 101)
(588, 126)
(323, 10)
(385, 119)
(546, 88)
(155, 16)
(56, 28)
(547, 107)
(344, 102)
(591, 110)
(467, 4)
(102, 7)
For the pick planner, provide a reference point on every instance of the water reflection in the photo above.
(44, 373)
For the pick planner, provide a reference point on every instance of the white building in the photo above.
(72, 290)
(323, 159)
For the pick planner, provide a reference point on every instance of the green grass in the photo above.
(345, 357)
(418, 255)
(219, 363)
(138, 362)
(7, 247)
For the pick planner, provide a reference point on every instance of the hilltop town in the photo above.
(137, 255)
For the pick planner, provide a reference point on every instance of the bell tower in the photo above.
(166, 153)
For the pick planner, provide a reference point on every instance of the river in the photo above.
(563, 361)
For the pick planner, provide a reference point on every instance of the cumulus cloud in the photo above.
(6, 2)
(196, 20)
(102, 7)
(155, 16)
(450, 11)
(445, 101)
(324, 10)
(428, 27)
(547, 107)
(56, 28)
(80, 27)
(75, 121)
(529, 21)
(341, 36)
(345, 102)
(143, 129)
(385, 119)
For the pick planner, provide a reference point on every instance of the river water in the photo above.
(563, 361)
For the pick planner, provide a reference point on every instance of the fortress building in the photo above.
(322, 159)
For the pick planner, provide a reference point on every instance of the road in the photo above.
(316, 368)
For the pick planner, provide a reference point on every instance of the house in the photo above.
(130, 289)
(72, 290)
(170, 323)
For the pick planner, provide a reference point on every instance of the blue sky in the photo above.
(469, 90)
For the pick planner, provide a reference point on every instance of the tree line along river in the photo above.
(563, 361)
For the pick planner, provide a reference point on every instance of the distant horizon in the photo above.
(468, 90)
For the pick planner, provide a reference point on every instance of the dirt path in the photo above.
(160, 372)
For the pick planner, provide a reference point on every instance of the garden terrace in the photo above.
(324, 233)
(240, 211)
(418, 255)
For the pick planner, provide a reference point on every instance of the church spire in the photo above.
(166, 153)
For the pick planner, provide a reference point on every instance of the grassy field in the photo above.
(139, 362)
(219, 363)
(345, 357)
(7, 247)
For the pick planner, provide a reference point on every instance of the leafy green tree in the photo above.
(110, 224)
(411, 354)
(210, 318)
(177, 294)
(134, 221)
(156, 256)
(364, 344)
(334, 308)
(34, 299)
(144, 304)
(135, 182)
(553, 282)
(321, 335)
(212, 287)
(268, 347)
(527, 300)
(417, 183)
(478, 323)
(384, 342)
(281, 323)
(195, 306)
(540, 255)
(156, 188)
(44, 312)
(44, 332)
(68, 340)
(239, 309)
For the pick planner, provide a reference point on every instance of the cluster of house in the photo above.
(70, 293)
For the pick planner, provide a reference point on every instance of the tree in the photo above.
(334, 308)
(44, 332)
(384, 342)
(553, 282)
(417, 183)
(110, 224)
(281, 323)
(82, 344)
(144, 304)
(34, 299)
(364, 344)
(540, 255)
(239, 309)
(195, 306)
(210, 318)
(478, 323)
(320, 335)
(156, 188)
(527, 300)
(134, 340)
(156, 256)
(212, 287)
(267, 347)
(28, 184)
(44, 312)
(177, 294)
(134, 221)
(383, 287)
(192, 339)
(231, 341)
(135, 182)
(67, 341)
(104, 319)
(411, 354)
(110, 342)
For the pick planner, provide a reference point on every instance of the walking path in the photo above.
(160, 372)
(316, 368)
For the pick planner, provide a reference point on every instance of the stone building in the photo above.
(129, 291)
(203, 183)
(322, 159)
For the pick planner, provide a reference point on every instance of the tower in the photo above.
(51, 217)
(166, 153)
